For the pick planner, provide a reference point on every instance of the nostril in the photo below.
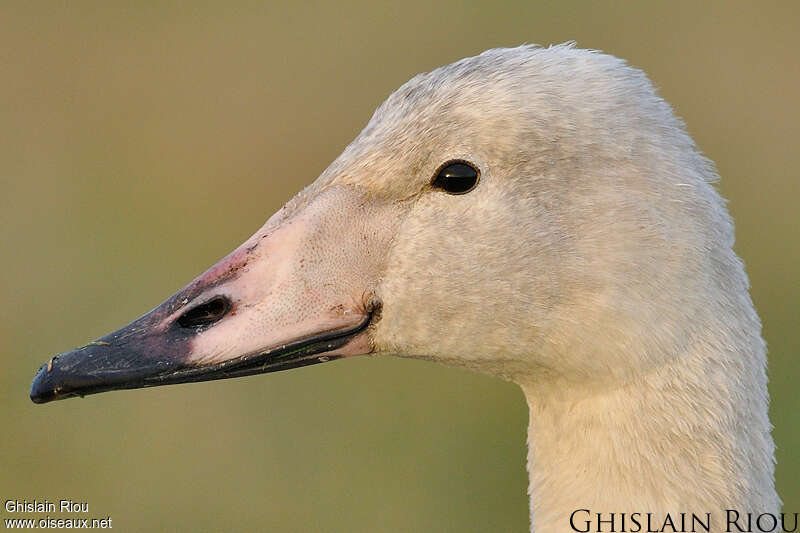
(206, 313)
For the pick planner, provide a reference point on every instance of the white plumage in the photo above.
(592, 264)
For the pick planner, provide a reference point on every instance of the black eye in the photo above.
(205, 314)
(456, 177)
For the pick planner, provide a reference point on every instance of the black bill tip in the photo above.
(94, 368)
(44, 388)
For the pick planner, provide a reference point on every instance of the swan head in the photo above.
(534, 213)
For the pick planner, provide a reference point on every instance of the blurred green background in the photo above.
(141, 142)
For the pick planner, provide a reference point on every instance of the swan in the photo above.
(536, 214)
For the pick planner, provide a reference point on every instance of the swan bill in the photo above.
(113, 363)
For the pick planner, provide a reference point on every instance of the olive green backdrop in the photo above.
(140, 142)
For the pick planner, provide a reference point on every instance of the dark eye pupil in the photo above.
(456, 178)
(205, 314)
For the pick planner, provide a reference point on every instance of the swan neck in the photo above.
(692, 436)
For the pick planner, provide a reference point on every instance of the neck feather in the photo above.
(690, 436)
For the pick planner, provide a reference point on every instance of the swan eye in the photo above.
(205, 314)
(456, 177)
